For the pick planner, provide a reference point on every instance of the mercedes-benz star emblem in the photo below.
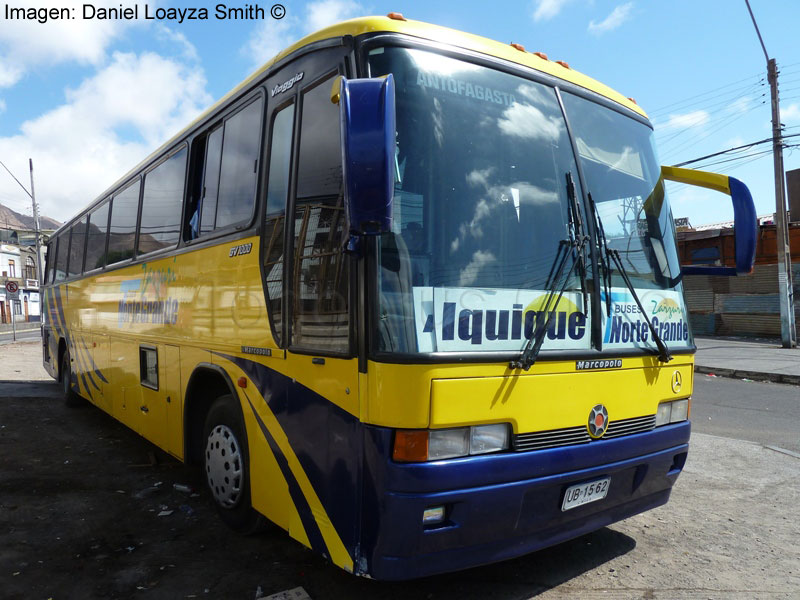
(598, 421)
(677, 381)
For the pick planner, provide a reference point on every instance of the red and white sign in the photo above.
(12, 287)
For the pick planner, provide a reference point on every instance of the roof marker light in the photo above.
(397, 16)
(541, 55)
(519, 47)
(632, 100)
(563, 64)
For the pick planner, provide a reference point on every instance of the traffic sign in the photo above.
(12, 290)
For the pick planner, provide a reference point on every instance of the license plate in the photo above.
(583, 493)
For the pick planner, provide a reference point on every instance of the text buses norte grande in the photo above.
(411, 294)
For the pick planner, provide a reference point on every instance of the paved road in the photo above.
(31, 334)
(765, 413)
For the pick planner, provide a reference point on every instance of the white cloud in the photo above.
(78, 148)
(695, 118)
(547, 9)
(327, 12)
(269, 38)
(791, 112)
(26, 44)
(188, 50)
(617, 17)
(2, 105)
(469, 274)
(528, 122)
(272, 36)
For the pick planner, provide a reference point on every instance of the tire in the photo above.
(226, 466)
(70, 397)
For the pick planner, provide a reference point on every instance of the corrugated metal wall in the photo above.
(747, 305)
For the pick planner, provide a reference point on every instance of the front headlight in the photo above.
(419, 445)
(488, 438)
(448, 443)
(672, 412)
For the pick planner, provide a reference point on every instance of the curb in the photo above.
(744, 374)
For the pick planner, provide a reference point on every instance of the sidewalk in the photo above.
(750, 358)
(21, 326)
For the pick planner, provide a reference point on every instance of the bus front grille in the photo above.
(569, 436)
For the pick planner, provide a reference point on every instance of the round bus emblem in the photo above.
(598, 421)
(677, 382)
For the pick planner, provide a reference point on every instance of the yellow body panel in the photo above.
(549, 396)
(554, 401)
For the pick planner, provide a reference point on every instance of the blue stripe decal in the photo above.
(303, 509)
(88, 391)
(87, 358)
(93, 368)
(326, 439)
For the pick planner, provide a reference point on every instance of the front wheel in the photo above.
(226, 466)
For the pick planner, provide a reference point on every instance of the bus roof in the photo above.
(364, 25)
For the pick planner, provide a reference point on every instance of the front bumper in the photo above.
(504, 505)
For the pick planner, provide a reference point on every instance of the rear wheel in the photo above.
(226, 466)
(70, 397)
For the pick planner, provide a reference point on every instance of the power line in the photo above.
(667, 107)
(750, 145)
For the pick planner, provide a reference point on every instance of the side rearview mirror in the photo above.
(367, 117)
(745, 222)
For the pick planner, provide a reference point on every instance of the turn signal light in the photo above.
(410, 445)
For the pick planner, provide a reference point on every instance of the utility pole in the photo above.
(785, 289)
(39, 273)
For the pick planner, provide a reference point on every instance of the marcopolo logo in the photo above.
(588, 365)
(478, 325)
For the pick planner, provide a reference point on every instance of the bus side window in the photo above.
(320, 289)
(122, 231)
(280, 155)
(96, 237)
(61, 256)
(75, 261)
(223, 173)
(162, 201)
(50, 261)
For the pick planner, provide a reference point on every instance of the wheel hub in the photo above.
(224, 466)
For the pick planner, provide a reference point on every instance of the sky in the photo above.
(87, 99)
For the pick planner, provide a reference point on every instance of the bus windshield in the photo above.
(481, 212)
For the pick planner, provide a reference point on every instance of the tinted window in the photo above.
(96, 237)
(277, 191)
(320, 167)
(50, 258)
(237, 178)
(162, 202)
(320, 290)
(61, 260)
(124, 209)
(208, 202)
(75, 266)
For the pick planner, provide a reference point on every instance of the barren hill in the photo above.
(10, 219)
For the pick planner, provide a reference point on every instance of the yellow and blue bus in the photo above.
(411, 294)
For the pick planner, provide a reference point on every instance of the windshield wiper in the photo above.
(602, 247)
(612, 254)
(574, 245)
